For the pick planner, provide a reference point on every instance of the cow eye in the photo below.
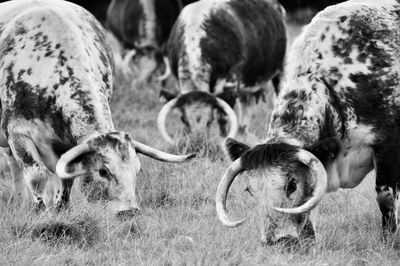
(291, 187)
(103, 172)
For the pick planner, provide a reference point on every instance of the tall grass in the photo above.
(178, 224)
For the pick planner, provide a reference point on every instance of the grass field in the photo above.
(178, 223)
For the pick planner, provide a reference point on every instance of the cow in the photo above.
(143, 27)
(219, 50)
(56, 72)
(336, 119)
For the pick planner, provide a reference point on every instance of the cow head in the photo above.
(197, 112)
(286, 181)
(110, 161)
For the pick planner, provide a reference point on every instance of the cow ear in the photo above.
(326, 150)
(166, 96)
(235, 149)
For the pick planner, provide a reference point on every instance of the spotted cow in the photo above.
(221, 50)
(56, 76)
(336, 119)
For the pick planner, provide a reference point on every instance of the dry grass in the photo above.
(178, 224)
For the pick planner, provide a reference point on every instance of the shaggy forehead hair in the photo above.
(272, 154)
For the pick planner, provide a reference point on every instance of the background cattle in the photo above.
(220, 51)
(143, 27)
(335, 120)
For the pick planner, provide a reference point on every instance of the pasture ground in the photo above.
(178, 223)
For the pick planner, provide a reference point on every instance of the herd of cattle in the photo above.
(336, 117)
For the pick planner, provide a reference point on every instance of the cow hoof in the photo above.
(127, 214)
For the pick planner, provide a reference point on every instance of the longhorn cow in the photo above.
(336, 119)
(56, 76)
(215, 47)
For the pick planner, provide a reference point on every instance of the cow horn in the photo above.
(161, 119)
(320, 177)
(159, 155)
(167, 72)
(231, 116)
(68, 157)
(222, 192)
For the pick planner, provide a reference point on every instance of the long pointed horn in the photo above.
(167, 72)
(222, 192)
(127, 58)
(159, 155)
(231, 116)
(67, 158)
(162, 117)
(320, 179)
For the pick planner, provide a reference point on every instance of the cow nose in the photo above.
(127, 214)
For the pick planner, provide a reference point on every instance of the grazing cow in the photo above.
(215, 47)
(337, 117)
(143, 27)
(56, 73)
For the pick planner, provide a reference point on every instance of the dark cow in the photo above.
(143, 28)
(56, 73)
(336, 118)
(217, 48)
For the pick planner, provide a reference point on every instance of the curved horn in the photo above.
(159, 155)
(69, 156)
(161, 119)
(127, 58)
(222, 192)
(167, 72)
(231, 116)
(320, 179)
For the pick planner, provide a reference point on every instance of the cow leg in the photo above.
(387, 200)
(62, 197)
(387, 193)
(276, 81)
(222, 122)
(34, 171)
(16, 174)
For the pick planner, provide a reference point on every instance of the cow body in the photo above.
(56, 73)
(217, 44)
(143, 26)
(340, 106)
